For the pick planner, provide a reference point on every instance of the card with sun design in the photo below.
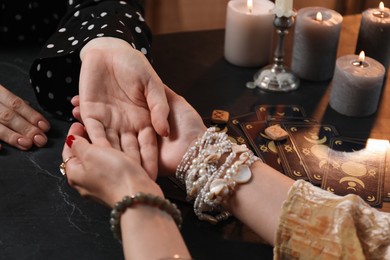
(356, 167)
(264, 147)
(311, 142)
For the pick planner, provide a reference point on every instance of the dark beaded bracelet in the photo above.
(142, 198)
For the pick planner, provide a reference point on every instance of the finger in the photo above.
(76, 129)
(158, 106)
(75, 101)
(76, 113)
(147, 140)
(14, 139)
(96, 132)
(130, 147)
(113, 138)
(15, 122)
(16, 104)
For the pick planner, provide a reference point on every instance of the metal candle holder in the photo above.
(277, 77)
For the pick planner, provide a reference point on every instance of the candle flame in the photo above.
(319, 16)
(249, 4)
(381, 6)
(362, 56)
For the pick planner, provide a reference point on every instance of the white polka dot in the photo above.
(37, 89)
(21, 37)
(103, 26)
(49, 46)
(18, 17)
(39, 67)
(128, 15)
(68, 80)
(76, 14)
(144, 51)
(60, 51)
(62, 29)
(49, 74)
(75, 42)
(5, 29)
(122, 2)
(119, 31)
(138, 30)
(91, 27)
(100, 34)
(93, 15)
(70, 2)
(50, 95)
(103, 14)
(122, 23)
(71, 38)
(140, 17)
(33, 27)
(84, 23)
(86, 39)
(132, 44)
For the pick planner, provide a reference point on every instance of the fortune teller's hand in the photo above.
(103, 173)
(122, 100)
(186, 125)
(20, 125)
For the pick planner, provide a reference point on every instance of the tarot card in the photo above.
(266, 112)
(357, 167)
(264, 147)
(311, 142)
(386, 178)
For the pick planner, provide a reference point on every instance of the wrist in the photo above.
(103, 43)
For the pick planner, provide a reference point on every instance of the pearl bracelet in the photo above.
(142, 198)
(209, 181)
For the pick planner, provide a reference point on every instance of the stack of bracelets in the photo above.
(211, 169)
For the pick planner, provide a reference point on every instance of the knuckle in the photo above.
(6, 115)
(15, 103)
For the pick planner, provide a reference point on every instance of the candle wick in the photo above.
(360, 63)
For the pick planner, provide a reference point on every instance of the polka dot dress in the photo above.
(54, 75)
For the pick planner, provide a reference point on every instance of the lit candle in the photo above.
(283, 8)
(248, 34)
(316, 37)
(374, 34)
(357, 85)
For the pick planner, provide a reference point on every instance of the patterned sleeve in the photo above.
(54, 74)
(316, 224)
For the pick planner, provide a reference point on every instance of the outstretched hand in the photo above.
(122, 100)
(20, 125)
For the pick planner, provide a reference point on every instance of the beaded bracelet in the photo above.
(209, 181)
(142, 198)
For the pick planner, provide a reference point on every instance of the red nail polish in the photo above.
(69, 140)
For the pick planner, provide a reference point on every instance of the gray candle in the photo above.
(374, 34)
(357, 85)
(316, 38)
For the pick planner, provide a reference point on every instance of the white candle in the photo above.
(374, 34)
(316, 37)
(357, 85)
(248, 34)
(283, 8)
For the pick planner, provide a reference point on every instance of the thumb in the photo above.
(159, 108)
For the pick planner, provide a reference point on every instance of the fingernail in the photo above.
(43, 125)
(40, 140)
(25, 142)
(69, 140)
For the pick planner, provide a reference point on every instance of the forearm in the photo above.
(258, 203)
(150, 233)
